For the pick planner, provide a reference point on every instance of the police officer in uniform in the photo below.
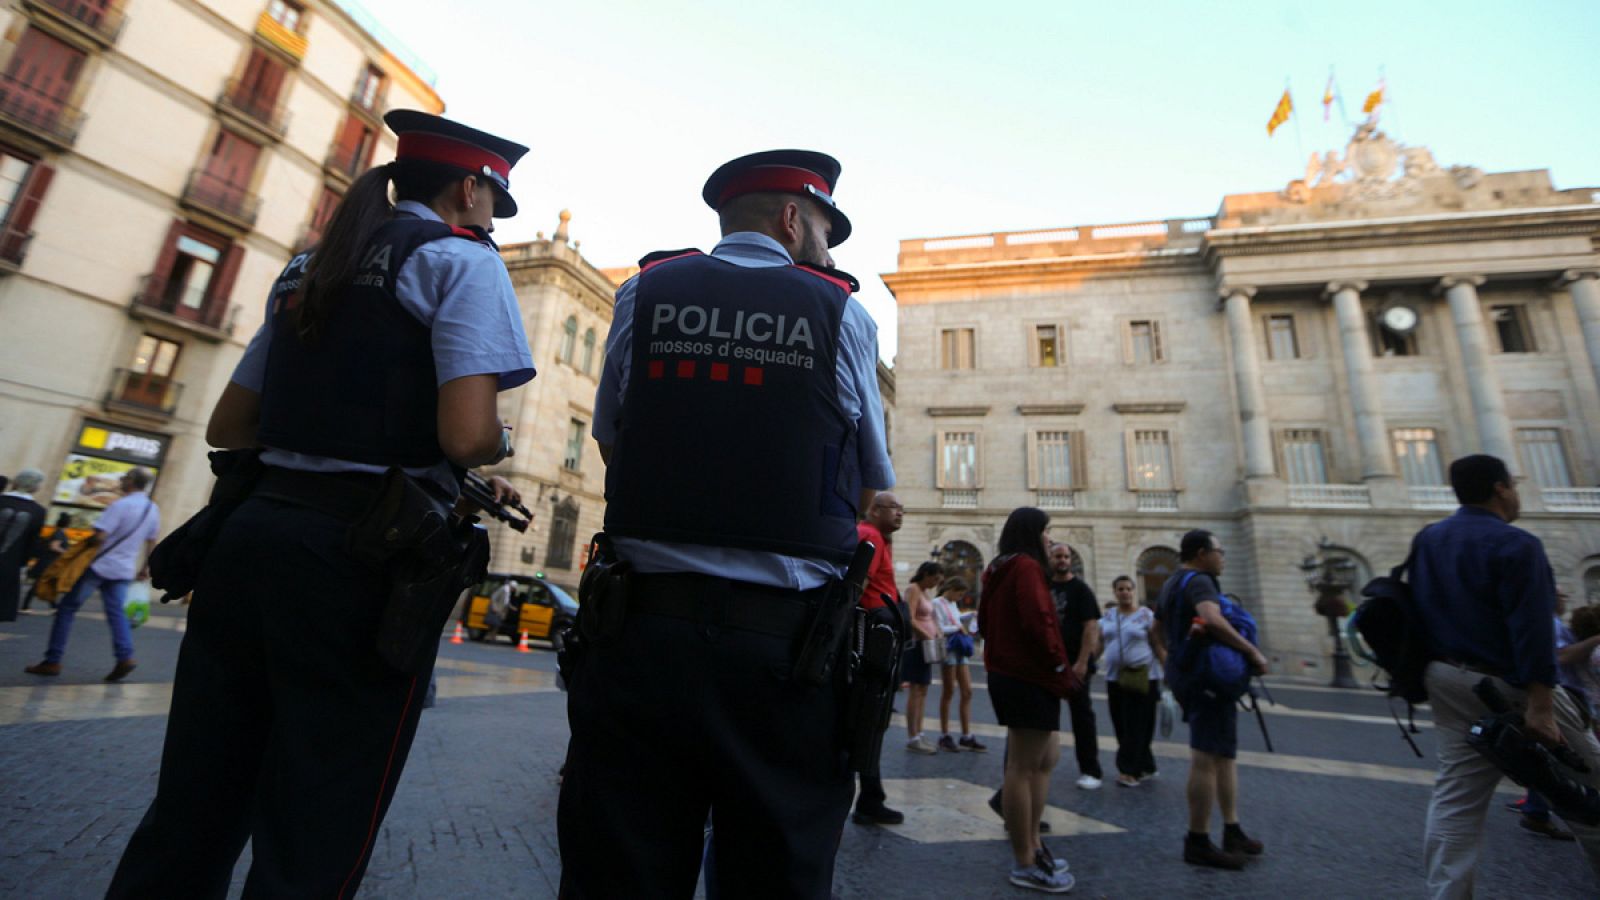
(739, 416)
(383, 347)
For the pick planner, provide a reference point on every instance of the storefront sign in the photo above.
(92, 474)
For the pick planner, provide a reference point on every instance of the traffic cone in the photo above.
(523, 647)
(456, 638)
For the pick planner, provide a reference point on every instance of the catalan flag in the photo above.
(1373, 99)
(1281, 114)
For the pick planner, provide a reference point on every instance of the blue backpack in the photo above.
(1204, 668)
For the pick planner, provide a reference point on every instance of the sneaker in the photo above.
(1048, 861)
(1234, 840)
(50, 668)
(971, 742)
(919, 744)
(1150, 776)
(1127, 781)
(1088, 783)
(1036, 879)
(1202, 852)
(948, 743)
(1547, 828)
(1517, 806)
(878, 815)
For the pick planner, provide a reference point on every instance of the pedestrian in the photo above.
(1079, 613)
(1189, 608)
(915, 668)
(48, 552)
(881, 600)
(956, 672)
(1586, 668)
(1029, 674)
(21, 520)
(125, 534)
(1571, 657)
(736, 471)
(1485, 596)
(1134, 657)
(373, 377)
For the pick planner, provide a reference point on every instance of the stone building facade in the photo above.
(1293, 373)
(153, 182)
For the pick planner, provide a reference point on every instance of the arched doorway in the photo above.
(1152, 570)
(962, 560)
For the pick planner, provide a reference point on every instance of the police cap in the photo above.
(435, 139)
(781, 171)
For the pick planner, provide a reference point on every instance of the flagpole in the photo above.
(1299, 139)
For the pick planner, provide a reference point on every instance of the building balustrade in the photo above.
(960, 499)
(1157, 501)
(1432, 496)
(1330, 496)
(1056, 500)
(1571, 500)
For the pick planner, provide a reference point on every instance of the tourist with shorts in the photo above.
(915, 669)
(1029, 674)
(956, 671)
(1134, 656)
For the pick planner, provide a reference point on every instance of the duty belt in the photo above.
(722, 603)
(344, 495)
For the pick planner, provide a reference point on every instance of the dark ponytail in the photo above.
(337, 256)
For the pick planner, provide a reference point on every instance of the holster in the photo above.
(430, 557)
(602, 606)
(873, 673)
(823, 646)
(175, 563)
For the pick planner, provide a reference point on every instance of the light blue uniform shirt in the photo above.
(459, 289)
(858, 395)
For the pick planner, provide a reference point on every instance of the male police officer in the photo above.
(739, 416)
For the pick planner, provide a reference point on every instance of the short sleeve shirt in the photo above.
(1176, 609)
(125, 526)
(1075, 605)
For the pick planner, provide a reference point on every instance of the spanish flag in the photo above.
(1281, 114)
(1373, 99)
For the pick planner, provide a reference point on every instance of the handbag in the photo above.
(1166, 714)
(1135, 679)
(931, 651)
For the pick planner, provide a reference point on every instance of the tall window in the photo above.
(1511, 328)
(1056, 461)
(39, 80)
(1047, 344)
(1544, 456)
(327, 202)
(563, 534)
(353, 147)
(957, 348)
(1304, 459)
(1417, 451)
(573, 459)
(13, 175)
(588, 352)
(1142, 342)
(569, 340)
(958, 460)
(286, 14)
(258, 87)
(1150, 461)
(367, 87)
(191, 274)
(149, 380)
(1282, 342)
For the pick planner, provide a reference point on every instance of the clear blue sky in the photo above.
(955, 118)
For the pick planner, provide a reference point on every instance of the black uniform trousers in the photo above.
(871, 798)
(287, 728)
(1133, 716)
(675, 718)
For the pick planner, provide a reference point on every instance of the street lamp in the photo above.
(1331, 575)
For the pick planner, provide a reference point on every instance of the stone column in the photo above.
(1258, 462)
(1584, 284)
(1488, 403)
(1376, 460)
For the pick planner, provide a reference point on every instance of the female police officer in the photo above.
(383, 347)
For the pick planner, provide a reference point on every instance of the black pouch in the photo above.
(603, 592)
(175, 563)
(402, 517)
(423, 592)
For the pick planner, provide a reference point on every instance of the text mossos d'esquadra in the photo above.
(761, 338)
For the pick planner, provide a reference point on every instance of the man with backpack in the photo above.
(1190, 616)
(1485, 595)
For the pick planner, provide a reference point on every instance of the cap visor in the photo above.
(505, 207)
(841, 227)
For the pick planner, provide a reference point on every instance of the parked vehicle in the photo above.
(535, 606)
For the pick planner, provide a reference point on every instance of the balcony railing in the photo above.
(346, 162)
(1432, 496)
(143, 392)
(1055, 500)
(221, 198)
(960, 498)
(98, 20)
(48, 118)
(264, 112)
(13, 248)
(161, 299)
(1574, 500)
(1157, 501)
(373, 109)
(1330, 496)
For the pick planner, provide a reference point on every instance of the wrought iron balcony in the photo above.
(346, 162)
(174, 304)
(98, 21)
(257, 111)
(47, 118)
(142, 392)
(221, 198)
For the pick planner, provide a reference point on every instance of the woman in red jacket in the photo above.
(1029, 673)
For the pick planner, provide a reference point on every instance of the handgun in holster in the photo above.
(822, 647)
(430, 557)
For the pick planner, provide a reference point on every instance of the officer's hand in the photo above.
(1541, 724)
(503, 491)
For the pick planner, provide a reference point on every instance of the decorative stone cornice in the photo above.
(1335, 287)
(1149, 407)
(945, 412)
(1571, 275)
(1049, 409)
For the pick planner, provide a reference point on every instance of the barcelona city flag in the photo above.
(1281, 114)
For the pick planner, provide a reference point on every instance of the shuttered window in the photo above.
(1151, 461)
(957, 348)
(1142, 342)
(1417, 452)
(957, 465)
(1544, 456)
(1282, 342)
(1056, 461)
(1304, 456)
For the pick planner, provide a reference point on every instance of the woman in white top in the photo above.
(1133, 656)
(955, 672)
